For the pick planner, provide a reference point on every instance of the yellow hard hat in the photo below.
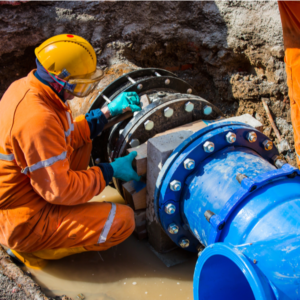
(71, 59)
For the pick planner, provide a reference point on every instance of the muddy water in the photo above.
(128, 271)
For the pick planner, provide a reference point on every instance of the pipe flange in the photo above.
(194, 149)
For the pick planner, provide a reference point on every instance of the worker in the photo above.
(290, 18)
(45, 184)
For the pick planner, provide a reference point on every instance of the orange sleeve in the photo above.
(41, 150)
(82, 133)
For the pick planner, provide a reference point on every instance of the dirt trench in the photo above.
(231, 52)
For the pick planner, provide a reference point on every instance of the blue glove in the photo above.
(122, 167)
(123, 101)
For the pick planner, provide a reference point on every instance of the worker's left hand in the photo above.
(122, 167)
(124, 102)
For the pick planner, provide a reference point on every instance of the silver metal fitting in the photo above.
(230, 137)
(140, 86)
(209, 147)
(134, 143)
(173, 228)
(168, 112)
(167, 81)
(184, 243)
(268, 145)
(170, 209)
(121, 131)
(175, 185)
(252, 137)
(189, 91)
(135, 113)
(97, 161)
(149, 125)
(207, 110)
(189, 164)
(189, 106)
(161, 94)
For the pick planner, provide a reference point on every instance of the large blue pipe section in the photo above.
(221, 189)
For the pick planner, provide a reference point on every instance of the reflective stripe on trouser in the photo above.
(45, 163)
(7, 157)
(107, 226)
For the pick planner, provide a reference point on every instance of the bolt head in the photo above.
(168, 112)
(134, 143)
(189, 106)
(140, 86)
(189, 91)
(149, 125)
(209, 147)
(252, 137)
(173, 228)
(230, 137)
(184, 243)
(97, 161)
(207, 110)
(161, 94)
(189, 164)
(268, 145)
(170, 209)
(175, 185)
(167, 81)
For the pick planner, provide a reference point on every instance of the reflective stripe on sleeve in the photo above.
(45, 163)
(71, 125)
(108, 223)
(7, 157)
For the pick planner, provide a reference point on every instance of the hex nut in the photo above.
(168, 112)
(268, 145)
(134, 143)
(184, 243)
(97, 161)
(189, 106)
(170, 209)
(252, 137)
(167, 81)
(175, 185)
(207, 110)
(189, 164)
(209, 147)
(161, 94)
(189, 91)
(173, 228)
(140, 86)
(149, 125)
(230, 137)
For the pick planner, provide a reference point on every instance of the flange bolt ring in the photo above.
(175, 185)
(170, 209)
(184, 243)
(230, 137)
(173, 228)
(209, 147)
(252, 137)
(189, 164)
(268, 145)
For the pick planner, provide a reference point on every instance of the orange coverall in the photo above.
(44, 181)
(290, 18)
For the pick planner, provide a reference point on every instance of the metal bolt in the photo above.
(134, 143)
(189, 164)
(254, 261)
(230, 137)
(149, 125)
(175, 185)
(252, 137)
(170, 209)
(173, 228)
(140, 86)
(135, 113)
(207, 110)
(189, 106)
(168, 112)
(268, 145)
(97, 161)
(161, 94)
(167, 81)
(189, 91)
(184, 243)
(209, 147)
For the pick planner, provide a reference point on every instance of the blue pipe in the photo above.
(250, 226)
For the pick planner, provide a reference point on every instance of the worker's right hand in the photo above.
(122, 167)
(124, 102)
